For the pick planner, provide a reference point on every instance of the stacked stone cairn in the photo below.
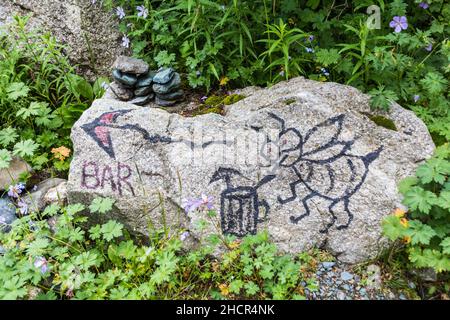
(135, 83)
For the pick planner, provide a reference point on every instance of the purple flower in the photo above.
(41, 263)
(325, 72)
(23, 207)
(184, 235)
(423, 5)
(120, 13)
(399, 23)
(205, 202)
(416, 98)
(282, 73)
(142, 11)
(203, 99)
(16, 190)
(429, 47)
(198, 73)
(311, 38)
(125, 42)
(309, 50)
(69, 293)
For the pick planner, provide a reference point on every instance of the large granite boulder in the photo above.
(303, 160)
(91, 35)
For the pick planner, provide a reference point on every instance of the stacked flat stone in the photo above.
(132, 81)
(135, 83)
(167, 87)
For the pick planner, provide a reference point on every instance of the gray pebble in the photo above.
(7, 214)
(164, 75)
(171, 86)
(177, 95)
(143, 91)
(340, 295)
(130, 65)
(140, 101)
(145, 80)
(164, 103)
(346, 276)
(124, 78)
(121, 92)
(328, 264)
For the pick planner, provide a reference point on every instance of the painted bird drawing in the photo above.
(324, 167)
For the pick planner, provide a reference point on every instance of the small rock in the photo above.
(411, 285)
(340, 295)
(130, 65)
(143, 91)
(7, 214)
(140, 101)
(346, 276)
(11, 175)
(57, 194)
(328, 264)
(126, 79)
(33, 292)
(402, 297)
(164, 75)
(346, 287)
(36, 199)
(121, 92)
(145, 80)
(166, 88)
(374, 277)
(426, 274)
(164, 103)
(52, 223)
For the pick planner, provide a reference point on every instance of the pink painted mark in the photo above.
(103, 135)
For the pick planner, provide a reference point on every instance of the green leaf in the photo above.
(8, 136)
(392, 228)
(25, 148)
(16, 90)
(434, 83)
(236, 286)
(251, 288)
(420, 199)
(406, 184)
(420, 233)
(37, 247)
(445, 244)
(433, 170)
(111, 230)
(101, 205)
(33, 110)
(5, 159)
(327, 57)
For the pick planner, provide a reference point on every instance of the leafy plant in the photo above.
(426, 227)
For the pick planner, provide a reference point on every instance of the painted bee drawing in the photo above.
(326, 170)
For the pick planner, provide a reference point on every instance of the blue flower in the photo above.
(120, 13)
(142, 11)
(23, 207)
(205, 202)
(41, 263)
(429, 47)
(399, 23)
(311, 38)
(16, 190)
(184, 235)
(309, 50)
(423, 5)
(325, 72)
(416, 97)
(125, 42)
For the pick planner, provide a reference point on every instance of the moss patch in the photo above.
(289, 101)
(205, 109)
(382, 121)
(232, 99)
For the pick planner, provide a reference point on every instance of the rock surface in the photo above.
(91, 34)
(301, 160)
(11, 175)
(131, 65)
